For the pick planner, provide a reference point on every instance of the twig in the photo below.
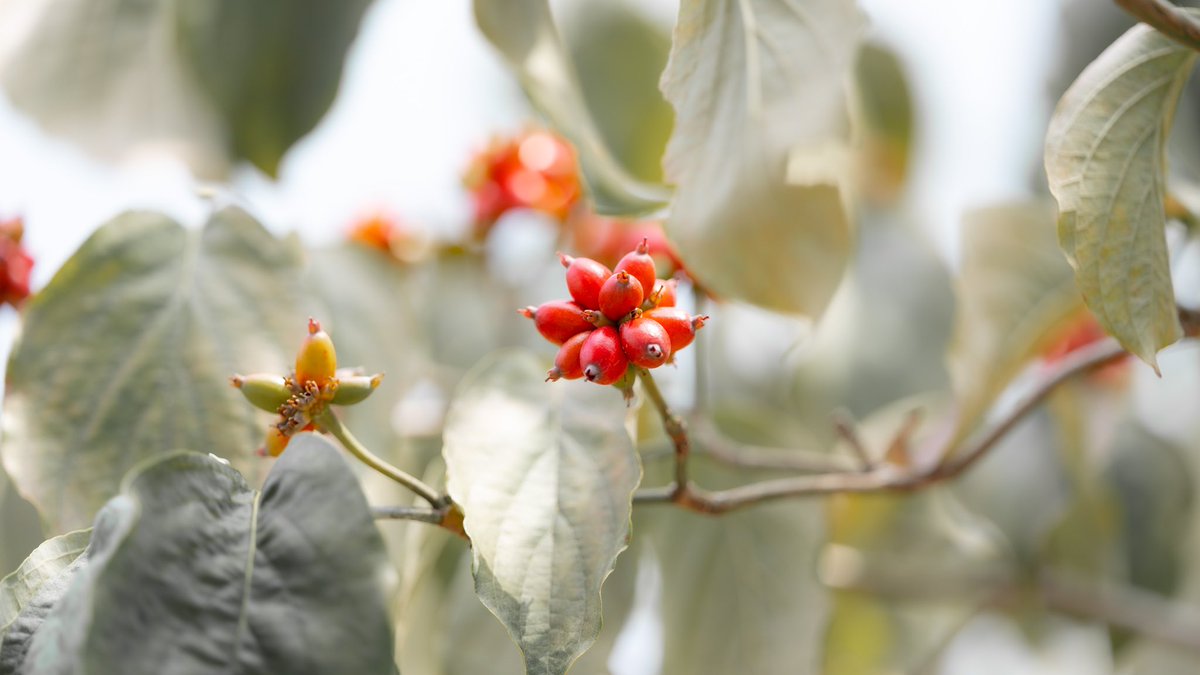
(418, 513)
(1144, 613)
(673, 425)
(882, 478)
(712, 442)
(329, 422)
(844, 425)
(1166, 19)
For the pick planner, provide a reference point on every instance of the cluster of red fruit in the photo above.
(16, 265)
(611, 321)
(534, 170)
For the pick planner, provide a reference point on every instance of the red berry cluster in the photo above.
(611, 322)
(533, 170)
(15, 263)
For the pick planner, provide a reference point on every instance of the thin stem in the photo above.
(329, 422)
(1166, 19)
(710, 441)
(844, 425)
(674, 427)
(417, 513)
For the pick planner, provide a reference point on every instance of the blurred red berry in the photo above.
(16, 264)
(532, 170)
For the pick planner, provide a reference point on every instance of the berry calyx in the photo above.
(663, 295)
(316, 361)
(639, 263)
(557, 320)
(620, 295)
(566, 363)
(604, 362)
(680, 326)
(584, 279)
(645, 342)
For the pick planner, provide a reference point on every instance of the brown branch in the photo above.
(1166, 18)
(447, 516)
(1147, 614)
(885, 477)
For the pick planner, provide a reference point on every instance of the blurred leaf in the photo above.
(43, 575)
(211, 82)
(126, 354)
(886, 108)
(545, 481)
(20, 528)
(1106, 165)
(620, 86)
(105, 74)
(739, 594)
(759, 147)
(1014, 293)
(271, 68)
(366, 309)
(525, 34)
(190, 566)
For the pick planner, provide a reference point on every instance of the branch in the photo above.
(884, 477)
(447, 516)
(329, 422)
(712, 442)
(1166, 19)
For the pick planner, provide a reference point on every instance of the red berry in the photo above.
(620, 295)
(603, 360)
(566, 363)
(680, 325)
(584, 279)
(663, 295)
(557, 320)
(639, 263)
(646, 342)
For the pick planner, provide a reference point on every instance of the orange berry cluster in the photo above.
(611, 322)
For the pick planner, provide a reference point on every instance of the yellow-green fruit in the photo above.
(276, 442)
(316, 361)
(264, 390)
(355, 388)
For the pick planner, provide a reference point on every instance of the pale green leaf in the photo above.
(1106, 163)
(544, 474)
(271, 67)
(211, 82)
(759, 149)
(127, 352)
(525, 33)
(739, 591)
(192, 571)
(43, 573)
(1015, 293)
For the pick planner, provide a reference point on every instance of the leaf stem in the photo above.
(329, 422)
(674, 426)
(1166, 18)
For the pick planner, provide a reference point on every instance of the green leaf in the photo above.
(212, 82)
(759, 147)
(525, 33)
(739, 593)
(1015, 294)
(545, 477)
(271, 68)
(126, 354)
(190, 566)
(1106, 162)
(44, 574)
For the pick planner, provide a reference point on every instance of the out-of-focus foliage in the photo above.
(127, 353)
(213, 82)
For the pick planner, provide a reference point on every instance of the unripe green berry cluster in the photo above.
(611, 321)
